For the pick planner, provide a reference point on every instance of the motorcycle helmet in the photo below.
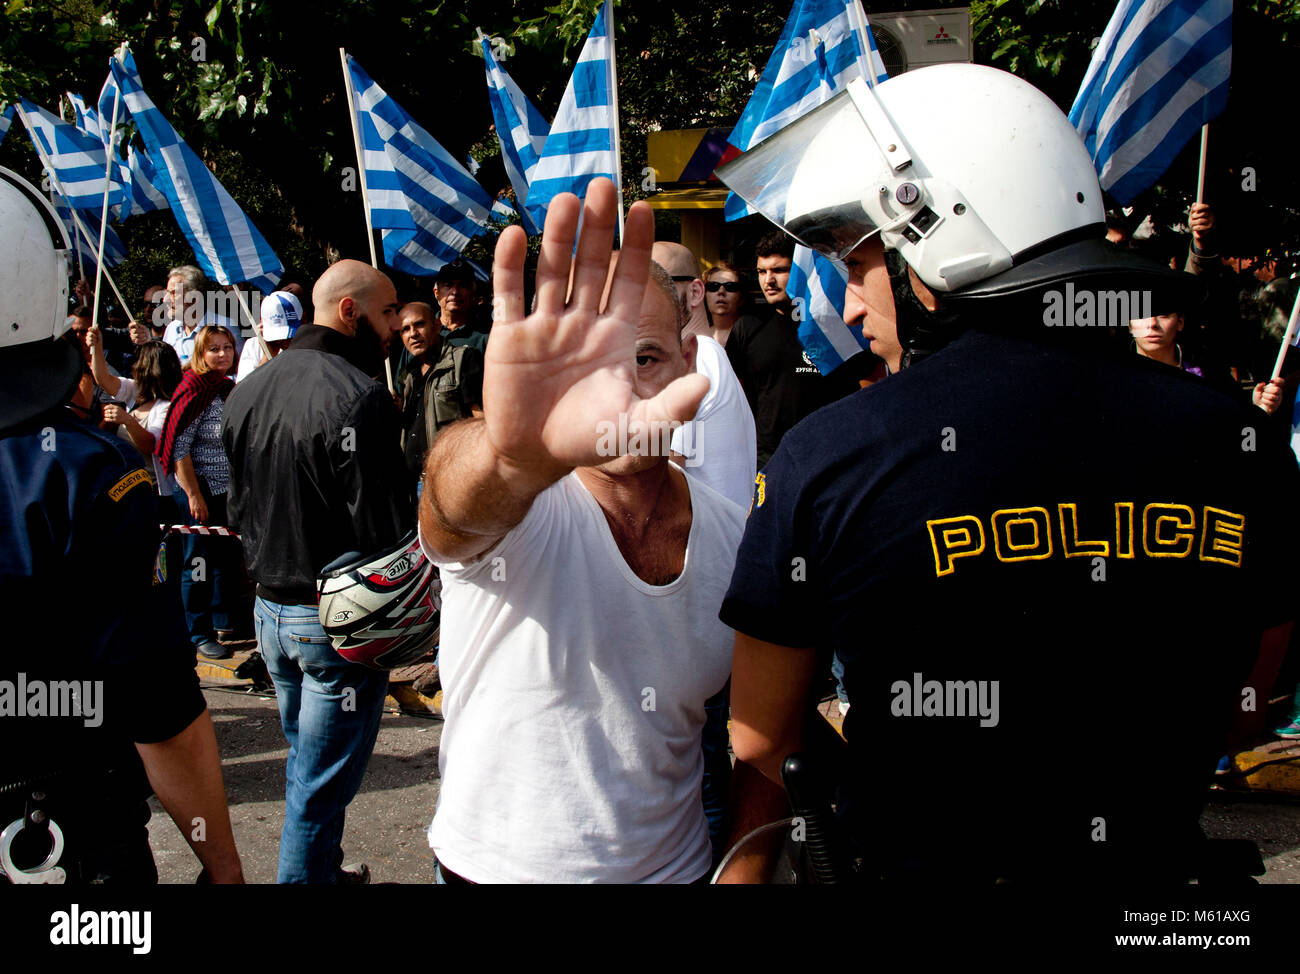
(381, 610)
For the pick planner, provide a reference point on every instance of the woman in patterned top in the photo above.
(191, 447)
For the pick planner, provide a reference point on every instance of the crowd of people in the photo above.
(606, 612)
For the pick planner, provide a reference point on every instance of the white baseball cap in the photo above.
(281, 316)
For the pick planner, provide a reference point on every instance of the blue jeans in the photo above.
(207, 599)
(330, 710)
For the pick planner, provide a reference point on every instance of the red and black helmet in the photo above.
(381, 610)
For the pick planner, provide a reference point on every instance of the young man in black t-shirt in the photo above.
(780, 381)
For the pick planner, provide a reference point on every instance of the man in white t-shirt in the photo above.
(581, 585)
(729, 459)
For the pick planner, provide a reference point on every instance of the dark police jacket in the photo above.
(316, 470)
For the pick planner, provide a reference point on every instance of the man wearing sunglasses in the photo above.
(985, 539)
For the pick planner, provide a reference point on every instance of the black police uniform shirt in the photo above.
(80, 533)
(1100, 543)
(780, 381)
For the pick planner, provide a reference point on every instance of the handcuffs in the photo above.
(49, 871)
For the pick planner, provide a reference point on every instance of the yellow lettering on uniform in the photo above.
(1037, 549)
(1156, 539)
(1222, 534)
(1070, 543)
(1124, 529)
(133, 479)
(952, 538)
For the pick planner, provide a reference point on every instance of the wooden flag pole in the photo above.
(103, 212)
(365, 196)
(58, 188)
(1287, 339)
(256, 323)
(1200, 177)
(613, 96)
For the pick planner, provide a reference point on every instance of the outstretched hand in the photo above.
(553, 378)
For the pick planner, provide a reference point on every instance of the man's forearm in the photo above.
(185, 772)
(472, 496)
(755, 801)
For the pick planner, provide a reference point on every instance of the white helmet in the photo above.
(970, 173)
(37, 370)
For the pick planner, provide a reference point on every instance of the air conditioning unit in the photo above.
(916, 38)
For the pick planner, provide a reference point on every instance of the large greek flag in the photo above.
(425, 202)
(226, 244)
(822, 48)
(1159, 73)
(583, 143)
(77, 158)
(521, 131)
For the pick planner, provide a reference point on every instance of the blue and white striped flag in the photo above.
(1159, 73)
(521, 131)
(583, 142)
(226, 244)
(819, 53)
(93, 124)
(114, 249)
(77, 158)
(6, 119)
(425, 202)
(138, 172)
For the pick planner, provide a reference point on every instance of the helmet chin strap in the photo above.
(921, 332)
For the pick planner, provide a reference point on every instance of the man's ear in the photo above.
(695, 294)
(349, 312)
(690, 345)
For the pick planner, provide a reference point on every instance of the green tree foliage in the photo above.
(256, 88)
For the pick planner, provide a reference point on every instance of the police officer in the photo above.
(99, 701)
(1029, 553)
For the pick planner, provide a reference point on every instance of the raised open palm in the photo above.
(552, 378)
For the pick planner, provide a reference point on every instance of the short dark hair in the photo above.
(457, 271)
(82, 311)
(775, 244)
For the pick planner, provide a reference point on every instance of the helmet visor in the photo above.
(823, 178)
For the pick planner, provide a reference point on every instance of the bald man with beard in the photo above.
(316, 471)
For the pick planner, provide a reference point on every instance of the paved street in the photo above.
(387, 821)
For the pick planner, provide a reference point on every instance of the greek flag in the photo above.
(93, 124)
(521, 131)
(226, 244)
(1159, 73)
(820, 51)
(425, 202)
(114, 249)
(583, 143)
(818, 54)
(6, 119)
(77, 158)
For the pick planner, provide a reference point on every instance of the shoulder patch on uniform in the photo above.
(760, 483)
(134, 479)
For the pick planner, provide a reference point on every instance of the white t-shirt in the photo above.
(574, 699)
(249, 359)
(154, 423)
(721, 442)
